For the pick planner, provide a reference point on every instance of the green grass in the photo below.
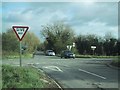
(16, 56)
(116, 62)
(83, 56)
(94, 56)
(22, 77)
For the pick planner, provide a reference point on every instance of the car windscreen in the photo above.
(50, 51)
(68, 52)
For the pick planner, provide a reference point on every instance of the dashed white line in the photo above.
(92, 73)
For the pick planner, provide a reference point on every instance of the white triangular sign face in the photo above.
(20, 31)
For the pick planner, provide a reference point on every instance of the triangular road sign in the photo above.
(20, 31)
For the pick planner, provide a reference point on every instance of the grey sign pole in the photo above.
(20, 32)
(20, 55)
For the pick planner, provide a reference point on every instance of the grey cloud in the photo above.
(11, 18)
(96, 27)
(76, 15)
(105, 12)
(58, 1)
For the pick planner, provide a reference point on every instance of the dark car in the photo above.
(67, 54)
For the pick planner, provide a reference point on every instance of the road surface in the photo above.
(76, 73)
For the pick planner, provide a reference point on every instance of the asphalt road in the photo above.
(76, 73)
(79, 72)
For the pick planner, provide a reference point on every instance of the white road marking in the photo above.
(30, 63)
(36, 63)
(54, 68)
(92, 73)
(49, 77)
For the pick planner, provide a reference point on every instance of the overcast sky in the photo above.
(84, 17)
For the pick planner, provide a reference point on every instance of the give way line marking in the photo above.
(92, 73)
(54, 68)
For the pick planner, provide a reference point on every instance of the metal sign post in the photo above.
(20, 55)
(93, 48)
(20, 32)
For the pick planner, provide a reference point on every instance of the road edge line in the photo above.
(113, 67)
(48, 77)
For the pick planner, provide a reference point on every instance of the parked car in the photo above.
(67, 54)
(50, 53)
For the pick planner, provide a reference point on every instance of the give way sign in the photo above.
(20, 31)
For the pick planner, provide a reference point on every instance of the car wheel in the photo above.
(65, 57)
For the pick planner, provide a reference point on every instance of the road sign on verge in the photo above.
(20, 31)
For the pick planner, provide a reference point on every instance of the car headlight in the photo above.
(74, 55)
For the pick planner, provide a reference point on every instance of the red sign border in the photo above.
(20, 27)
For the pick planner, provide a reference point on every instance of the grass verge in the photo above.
(95, 56)
(116, 62)
(83, 56)
(24, 77)
(16, 56)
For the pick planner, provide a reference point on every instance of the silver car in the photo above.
(50, 53)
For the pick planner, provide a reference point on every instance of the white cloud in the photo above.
(97, 19)
(97, 27)
(33, 18)
(59, 0)
(0, 17)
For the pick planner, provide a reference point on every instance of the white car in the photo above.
(50, 53)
